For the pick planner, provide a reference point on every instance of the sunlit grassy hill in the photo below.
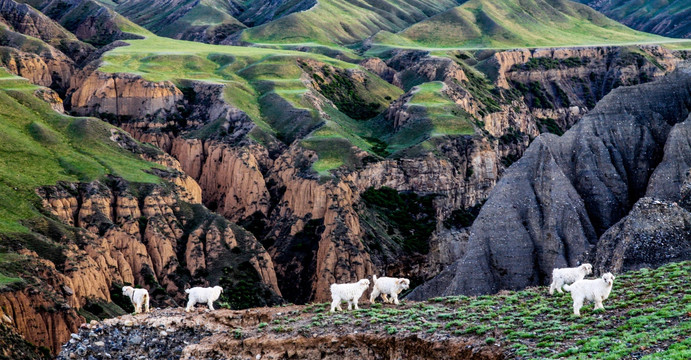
(266, 84)
(513, 23)
(346, 22)
(40, 147)
(182, 18)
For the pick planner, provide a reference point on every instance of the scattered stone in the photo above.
(136, 340)
(129, 323)
(100, 344)
(81, 350)
(163, 333)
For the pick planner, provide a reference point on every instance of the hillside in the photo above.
(645, 317)
(312, 152)
(59, 172)
(55, 148)
(510, 23)
(357, 20)
(666, 18)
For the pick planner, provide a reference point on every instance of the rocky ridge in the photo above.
(567, 191)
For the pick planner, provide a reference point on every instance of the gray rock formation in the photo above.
(654, 233)
(552, 205)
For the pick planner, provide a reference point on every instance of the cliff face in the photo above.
(44, 310)
(130, 234)
(567, 191)
(313, 229)
(124, 95)
(133, 238)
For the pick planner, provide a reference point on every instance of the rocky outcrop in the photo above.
(44, 311)
(669, 176)
(654, 233)
(15, 345)
(235, 185)
(230, 334)
(422, 67)
(124, 95)
(567, 191)
(39, 63)
(52, 98)
(139, 239)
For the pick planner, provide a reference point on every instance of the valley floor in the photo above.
(648, 316)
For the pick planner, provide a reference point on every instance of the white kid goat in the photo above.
(596, 290)
(138, 297)
(560, 277)
(200, 295)
(347, 292)
(385, 286)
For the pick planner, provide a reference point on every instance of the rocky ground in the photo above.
(647, 316)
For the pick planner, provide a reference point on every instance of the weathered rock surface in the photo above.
(135, 237)
(171, 333)
(654, 233)
(124, 95)
(44, 313)
(566, 191)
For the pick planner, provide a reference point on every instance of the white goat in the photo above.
(388, 286)
(200, 295)
(347, 292)
(138, 297)
(560, 277)
(596, 290)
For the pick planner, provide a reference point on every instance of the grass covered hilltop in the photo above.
(647, 317)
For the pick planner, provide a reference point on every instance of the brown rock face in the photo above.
(47, 68)
(124, 95)
(232, 177)
(42, 312)
(35, 317)
(137, 239)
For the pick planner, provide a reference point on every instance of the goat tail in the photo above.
(567, 287)
(187, 291)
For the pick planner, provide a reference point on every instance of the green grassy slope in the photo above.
(346, 22)
(265, 84)
(516, 23)
(668, 18)
(645, 317)
(170, 18)
(40, 147)
(433, 114)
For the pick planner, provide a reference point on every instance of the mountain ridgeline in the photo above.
(277, 147)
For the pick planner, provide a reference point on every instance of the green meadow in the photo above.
(41, 147)
(512, 23)
(645, 317)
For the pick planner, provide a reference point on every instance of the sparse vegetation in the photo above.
(412, 215)
(646, 316)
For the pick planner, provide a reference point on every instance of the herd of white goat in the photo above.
(570, 279)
